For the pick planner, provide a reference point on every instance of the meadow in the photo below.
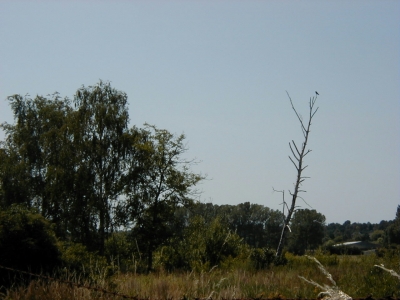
(357, 276)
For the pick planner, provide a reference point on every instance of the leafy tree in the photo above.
(72, 162)
(165, 183)
(81, 166)
(256, 224)
(101, 137)
(32, 143)
(307, 231)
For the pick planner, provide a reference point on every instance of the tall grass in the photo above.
(356, 276)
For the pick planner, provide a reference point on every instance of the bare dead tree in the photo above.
(297, 160)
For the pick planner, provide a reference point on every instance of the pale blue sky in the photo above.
(218, 70)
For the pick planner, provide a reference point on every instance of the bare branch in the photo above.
(296, 148)
(305, 201)
(298, 116)
(293, 163)
(277, 190)
(286, 205)
(294, 153)
(314, 112)
(308, 151)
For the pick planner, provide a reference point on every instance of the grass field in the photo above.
(355, 275)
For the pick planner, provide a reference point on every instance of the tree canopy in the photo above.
(85, 170)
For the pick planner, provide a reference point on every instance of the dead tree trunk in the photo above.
(298, 155)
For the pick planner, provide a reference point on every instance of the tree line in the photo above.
(119, 190)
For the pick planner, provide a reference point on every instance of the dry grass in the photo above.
(356, 276)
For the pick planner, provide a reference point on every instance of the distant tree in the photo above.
(298, 161)
(249, 221)
(259, 226)
(392, 232)
(202, 246)
(377, 234)
(307, 231)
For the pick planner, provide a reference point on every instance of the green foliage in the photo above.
(27, 242)
(77, 259)
(257, 225)
(307, 231)
(165, 184)
(377, 234)
(262, 258)
(101, 137)
(355, 275)
(123, 254)
(118, 245)
(80, 165)
(81, 168)
(392, 232)
(202, 247)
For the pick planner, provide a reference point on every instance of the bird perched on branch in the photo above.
(316, 92)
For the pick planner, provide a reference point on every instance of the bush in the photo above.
(27, 242)
(262, 258)
(76, 259)
(202, 247)
(122, 251)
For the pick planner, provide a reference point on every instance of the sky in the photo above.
(218, 71)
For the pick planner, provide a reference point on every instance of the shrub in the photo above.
(27, 242)
(77, 259)
(202, 247)
(121, 252)
(262, 258)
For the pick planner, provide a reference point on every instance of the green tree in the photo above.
(257, 225)
(32, 144)
(377, 234)
(307, 228)
(70, 161)
(80, 165)
(101, 137)
(165, 183)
